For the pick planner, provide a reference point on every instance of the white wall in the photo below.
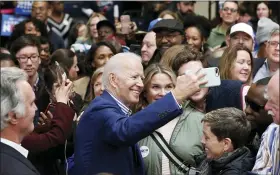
(201, 8)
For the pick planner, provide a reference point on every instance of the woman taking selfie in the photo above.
(158, 81)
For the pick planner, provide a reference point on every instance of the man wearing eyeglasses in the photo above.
(229, 15)
(169, 32)
(25, 50)
(255, 112)
(271, 64)
(268, 157)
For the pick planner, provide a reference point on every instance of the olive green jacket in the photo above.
(185, 141)
(217, 37)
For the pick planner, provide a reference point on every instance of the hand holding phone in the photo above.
(212, 75)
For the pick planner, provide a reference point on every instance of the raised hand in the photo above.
(64, 91)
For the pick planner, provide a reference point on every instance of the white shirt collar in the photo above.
(16, 146)
(124, 108)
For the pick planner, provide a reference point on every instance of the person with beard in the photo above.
(185, 8)
(229, 14)
(256, 113)
(169, 32)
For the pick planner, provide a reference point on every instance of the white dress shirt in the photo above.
(16, 146)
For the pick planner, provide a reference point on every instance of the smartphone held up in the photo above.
(212, 75)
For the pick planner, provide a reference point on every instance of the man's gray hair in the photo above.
(11, 96)
(115, 65)
(274, 32)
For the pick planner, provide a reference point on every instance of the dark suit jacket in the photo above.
(106, 137)
(258, 63)
(14, 163)
(228, 94)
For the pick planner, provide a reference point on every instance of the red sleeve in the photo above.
(61, 128)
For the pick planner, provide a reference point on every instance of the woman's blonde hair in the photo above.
(150, 71)
(94, 76)
(227, 61)
(168, 12)
(94, 15)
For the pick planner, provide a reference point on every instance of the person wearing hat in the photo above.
(153, 23)
(169, 32)
(265, 25)
(105, 29)
(241, 33)
(270, 65)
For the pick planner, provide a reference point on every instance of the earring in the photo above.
(202, 47)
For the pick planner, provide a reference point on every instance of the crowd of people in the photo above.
(105, 97)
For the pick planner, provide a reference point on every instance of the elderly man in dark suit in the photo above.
(17, 114)
(107, 134)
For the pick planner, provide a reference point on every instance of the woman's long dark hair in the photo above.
(65, 58)
(92, 51)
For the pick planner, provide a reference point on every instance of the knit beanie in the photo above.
(265, 26)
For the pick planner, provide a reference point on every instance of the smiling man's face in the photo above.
(166, 39)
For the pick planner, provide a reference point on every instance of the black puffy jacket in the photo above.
(237, 163)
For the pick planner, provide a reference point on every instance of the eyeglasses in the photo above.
(24, 59)
(273, 43)
(229, 9)
(169, 37)
(255, 107)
